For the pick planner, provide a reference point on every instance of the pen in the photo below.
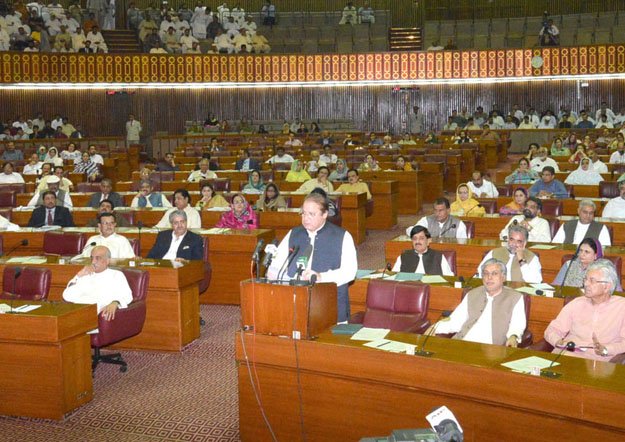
(382, 345)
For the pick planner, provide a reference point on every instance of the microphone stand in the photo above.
(567, 273)
(17, 272)
(552, 374)
(422, 351)
(286, 263)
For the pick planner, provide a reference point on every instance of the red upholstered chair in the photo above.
(608, 189)
(63, 243)
(399, 306)
(490, 206)
(470, 229)
(552, 208)
(32, 283)
(220, 184)
(136, 246)
(554, 225)
(87, 187)
(450, 256)
(14, 187)
(569, 190)
(128, 321)
(614, 259)
(8, 199)
(7, 213)
(338, 218)
(288, 200)
(129, 215)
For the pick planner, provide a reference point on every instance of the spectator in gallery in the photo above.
(549, 34)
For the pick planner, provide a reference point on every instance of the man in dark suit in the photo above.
(246, 162)
(49, 214)
(106, 193)
(177, 243)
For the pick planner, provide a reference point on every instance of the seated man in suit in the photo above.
(576, 230)
(537, 227)
(107, 206)
(522, 264)
(246, 162)
(50, 214)
(177, 243)
(106, 193)
(119, 247)
(491, 314)
(167, 164)
(595, 320)
(422, 259)
(97, 284)
(62, 197)
(441, 224)
(182, 201)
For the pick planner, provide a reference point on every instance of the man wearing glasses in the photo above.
(333, 254)
(595, 322)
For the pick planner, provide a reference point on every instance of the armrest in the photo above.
(128, 322)
(419, 326)
(357, 318)
(526, 339)
(618, 359)
(445, 335)
(542, 345)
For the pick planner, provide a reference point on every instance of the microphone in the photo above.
(270, 252)
(285, 265)
(388, 267)
(472, 208)
(567, 271)
(515, 223)
(17, 272)
(453, 226)
(259, 246)
(91, 244)
(570, 346)
(139, 226)
(23, 242)
(422, 351)
(302, 263)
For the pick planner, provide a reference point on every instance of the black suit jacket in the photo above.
(191, 247)
(254, 164)
(62, 217)
(115, 197)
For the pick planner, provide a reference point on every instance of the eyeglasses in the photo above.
(595, 281)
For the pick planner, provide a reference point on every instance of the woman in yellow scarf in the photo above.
(465, 204)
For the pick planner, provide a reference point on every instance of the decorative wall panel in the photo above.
(389, 66)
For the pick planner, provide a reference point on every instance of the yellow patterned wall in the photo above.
(390, 66)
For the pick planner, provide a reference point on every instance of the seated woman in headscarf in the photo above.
(465, 204)
(402, 165)
(523, 174)
(369, 165)
(516, 206)
(209, 198)
(53, 157)
(321, 181)
(588, 251)
(297, 174)
(240, 216)
(585, 174)
(87, 167)
(340, 173)
(271, 200)
(558, 149)
(255, 183)
(580, 152)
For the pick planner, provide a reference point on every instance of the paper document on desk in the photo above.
(542, 286)
(385, 276)
(433, 279)
(526, 365)
(214, 231)
(528, 290)
(26, 308)
(543, 247)
(27, 260)
(5, 308)
(370, 334)
(388, 345)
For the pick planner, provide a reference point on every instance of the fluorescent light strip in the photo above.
(313, 84)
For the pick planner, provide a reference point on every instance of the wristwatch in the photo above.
(604, 352)
(522, 261)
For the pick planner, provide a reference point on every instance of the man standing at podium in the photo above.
(333, 257)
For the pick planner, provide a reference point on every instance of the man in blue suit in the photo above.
(246, 162)
(177, 243)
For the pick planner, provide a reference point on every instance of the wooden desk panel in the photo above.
(569, 205)
(385, 205)
(172, 318)
(411, 187)
(341, 381)
(53, 336)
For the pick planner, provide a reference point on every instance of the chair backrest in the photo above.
(608, 189)
(490, 207)
(208, 270)
(138, 280)
(281, 166)
(88, 187)
(470, 229)
(32, 283)
(7, 213)
(552, 207)
(338, 218)
(220, 184)
(504, 190)
(136, 246)
(266, 175)
(128, 215)
(63, 243)
(8, 199)
(13, 187)
(569, 190)
(396, 305)
(450, 256)
(554, 225)
(615, 259)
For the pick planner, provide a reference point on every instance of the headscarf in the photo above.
(576, 273)
(587, 177)
(267, 204)
(254, 188)
(512, 208)
(56, 160)
(246, 220)
(468, 207)
(295, 176)
(337, 175)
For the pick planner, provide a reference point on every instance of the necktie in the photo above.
(50, 218)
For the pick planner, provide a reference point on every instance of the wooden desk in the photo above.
(45, 359)
(569, 205)
(172, 317)
(341, 382)
(470, 252)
